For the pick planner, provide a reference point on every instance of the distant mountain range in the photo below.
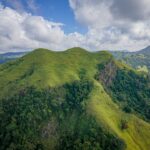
(139, 60)
(10, 56)
(145, 51)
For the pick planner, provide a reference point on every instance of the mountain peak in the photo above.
(43, 67)
(77, 51)
(145, 50)
(41, 50)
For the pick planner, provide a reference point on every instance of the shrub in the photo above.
(127, 109)
(124, 124)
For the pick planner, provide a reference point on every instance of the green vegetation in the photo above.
(24, 115)
(127, 87)
(49, 99)
(142, 69)
(48, 68)
(133, 91)
(110, 116)
(124, 124)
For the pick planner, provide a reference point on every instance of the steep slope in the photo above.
(72, 78)
(109, 114)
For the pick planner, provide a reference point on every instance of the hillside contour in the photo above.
(91, 81)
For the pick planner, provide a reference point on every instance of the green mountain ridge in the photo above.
(139, 59)
(70, 86)
(44, 64)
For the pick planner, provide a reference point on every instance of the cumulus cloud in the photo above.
(115, 24)
(23, 31)
(110, 26)
(99, 12)
(134, 10)
(91, 12)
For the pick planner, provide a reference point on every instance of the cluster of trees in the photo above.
(124, 124)
(89, 135)
(129, 89)
(32, 116)
(132, 91)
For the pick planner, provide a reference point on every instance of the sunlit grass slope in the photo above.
(43, 68)
(108, 113)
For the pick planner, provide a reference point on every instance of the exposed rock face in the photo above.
(108, 73)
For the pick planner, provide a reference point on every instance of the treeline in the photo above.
(53, 118)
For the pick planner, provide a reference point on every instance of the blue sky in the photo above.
(53, 10)
(62, 24)
(60, 11)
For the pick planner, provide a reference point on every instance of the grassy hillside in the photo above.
(108, 113)
(43, 68)
(70, 78)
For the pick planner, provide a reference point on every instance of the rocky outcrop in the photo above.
(108, 73)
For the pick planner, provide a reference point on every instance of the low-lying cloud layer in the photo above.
(112, 24)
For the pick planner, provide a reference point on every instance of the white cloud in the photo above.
(93, 13)
(114, 24)
(24, 31)
(132, 10)
(36, 28)
(21, 31)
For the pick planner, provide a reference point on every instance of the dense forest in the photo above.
(131, 90)
(32, 117)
